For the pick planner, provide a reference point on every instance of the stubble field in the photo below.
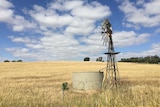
(38, 84)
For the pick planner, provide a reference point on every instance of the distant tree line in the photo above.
(148, 59)
(13, 61)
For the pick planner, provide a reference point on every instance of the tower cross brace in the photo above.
(112, 74)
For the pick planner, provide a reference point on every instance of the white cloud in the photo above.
(74, 15)
(27, 54)
(147, 15)
(79, 30)
(49, 17)
(68, 33)
(58, 14)
(59, 41)
(155, 50)
(124, 38)
(136, 26)
(94, 39)
(152, 7)
(140, 2)
(18, 51)
(91, 11)
(63, 47)
(22, 39)
(18, 23)
(5, 4)
(58, 47)
(70, 5)
(157, 30)
(5, 11)
(68, 29)
(2, 58)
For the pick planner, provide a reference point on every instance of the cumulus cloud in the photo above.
(157, 30)
(65, 28)
(5, 11)
(49, 17)
(154, 50)
(19, 23)
(58, 47)
(147, 14)
(62, 47)
(124, 38)
(26, 53)
(68, 31)
(91, 11)
(72, 16)
(7, 15)
(22, 39)
(140, 2)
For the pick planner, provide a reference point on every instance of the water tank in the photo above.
(87, 80)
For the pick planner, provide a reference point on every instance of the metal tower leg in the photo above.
(112, 74)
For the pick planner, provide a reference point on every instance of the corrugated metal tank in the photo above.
(87, 80)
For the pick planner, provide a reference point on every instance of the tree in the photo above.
(148, 59)
(6, 61)
(100, 59)
(86, 59)
(19, 60)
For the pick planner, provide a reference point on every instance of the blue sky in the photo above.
(38, 30)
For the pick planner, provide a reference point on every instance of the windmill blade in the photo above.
(103, 36)
(105, 40)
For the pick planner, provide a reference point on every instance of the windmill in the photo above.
(112, 74)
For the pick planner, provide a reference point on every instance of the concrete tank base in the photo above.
(87, 80)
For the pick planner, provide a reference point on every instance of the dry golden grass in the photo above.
(30, 84)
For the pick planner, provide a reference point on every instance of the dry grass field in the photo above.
(38, 84)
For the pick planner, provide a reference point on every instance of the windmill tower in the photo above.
(112, 74)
